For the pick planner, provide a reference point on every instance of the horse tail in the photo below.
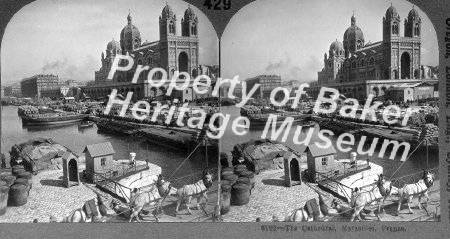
(180, 192)
(400, 192)
(322, 206)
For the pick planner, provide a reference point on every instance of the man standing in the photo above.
(3, 161)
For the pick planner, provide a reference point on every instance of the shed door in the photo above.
(295, 170)
(73, 170)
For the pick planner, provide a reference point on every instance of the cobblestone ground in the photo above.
(270, 197)
(48, 197)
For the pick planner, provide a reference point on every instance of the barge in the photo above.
(52, 118)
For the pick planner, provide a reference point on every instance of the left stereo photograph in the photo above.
(108, 113)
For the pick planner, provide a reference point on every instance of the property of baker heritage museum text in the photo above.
(152, 133)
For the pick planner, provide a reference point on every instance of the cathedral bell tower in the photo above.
(413, 24)
(189, 23)
(391, 24)
(167, 22)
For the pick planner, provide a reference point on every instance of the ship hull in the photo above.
(53, 120)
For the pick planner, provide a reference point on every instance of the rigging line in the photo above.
(173, 173)
(406, 159)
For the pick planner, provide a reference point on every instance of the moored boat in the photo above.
(86, 124)
(53, 118)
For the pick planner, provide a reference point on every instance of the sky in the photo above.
(67, 37)
(289, 37)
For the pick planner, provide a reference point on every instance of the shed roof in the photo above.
(317, 151)
(101, 149)
(67, 155)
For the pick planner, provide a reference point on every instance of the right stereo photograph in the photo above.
(332, 112)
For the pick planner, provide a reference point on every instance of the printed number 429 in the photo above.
(218, 4)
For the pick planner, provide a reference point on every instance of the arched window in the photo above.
(416, 74)
(172, 27)
(150, 60)
(371, 61)
(140, 62)
(358, 45)
(194, 29)
(354, 64)
(416, 29)
(395, 28)
(395, 74)
(363, 63)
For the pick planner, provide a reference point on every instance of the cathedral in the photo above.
(172, 52)
(358, 68)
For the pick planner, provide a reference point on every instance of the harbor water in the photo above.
(13, 132)
(69, 135)
(414, 164)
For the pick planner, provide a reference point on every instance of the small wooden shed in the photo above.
(99, 159)
(292, 169)
(71, 175)
(319, 160)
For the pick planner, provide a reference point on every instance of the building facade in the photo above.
(41, 86)
(13, 90)
(172, 52)
(358, 68)
(267, 84)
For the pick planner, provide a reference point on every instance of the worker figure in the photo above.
(3, 161)
(355, 193)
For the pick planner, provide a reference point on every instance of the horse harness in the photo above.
(420, 188)
(197, 186)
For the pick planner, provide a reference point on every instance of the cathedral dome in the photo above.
(337, 47)
(391, 12)
(167, 12)
(130, 37)
(189, 14)
(130, 30)
(113, 46)
(353, 32)
(413, 15)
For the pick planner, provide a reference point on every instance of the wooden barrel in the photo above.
(227, 169)
(225, 208)
(25, 174)
(16, 171)
(239, 166)
(18, 166)
(224, 182)
(3, 199)
(9, 180)
(244, 180)
(4, 174)
(18, 195)
(250, 175)
(25, 182)
(226, 173)
(240, 194)
(231, 178)
(239, 171)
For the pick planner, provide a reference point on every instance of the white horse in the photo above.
(420, 188)
(155, 196)
(377, 194)
(87, 212)
(198, 189)
(322, 209)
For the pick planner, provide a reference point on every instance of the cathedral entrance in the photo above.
(406, 65)
(183, 63)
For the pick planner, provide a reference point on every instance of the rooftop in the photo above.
(96, 150)
(318, 151)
